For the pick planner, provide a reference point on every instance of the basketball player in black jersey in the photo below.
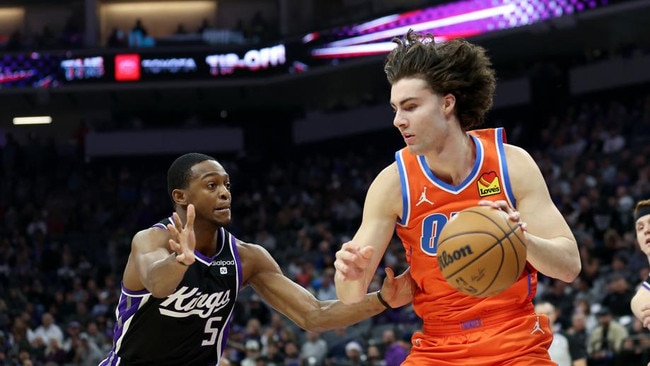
(183, 275)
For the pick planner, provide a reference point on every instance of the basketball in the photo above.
(481, 252)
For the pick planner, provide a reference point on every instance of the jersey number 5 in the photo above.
(212, 331)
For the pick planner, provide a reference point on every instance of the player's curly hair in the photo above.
(180, 171)
(453, 67)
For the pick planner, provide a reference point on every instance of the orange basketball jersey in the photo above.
(428, 203)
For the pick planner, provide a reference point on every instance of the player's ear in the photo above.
(448, 104)
(179, 197)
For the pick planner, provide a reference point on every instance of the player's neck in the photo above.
(455, 160)
(206, 238)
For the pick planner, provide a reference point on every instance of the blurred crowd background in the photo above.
(66, 219)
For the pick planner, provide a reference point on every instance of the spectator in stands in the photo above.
(605, 342)
(640, 303)
(577, 336)
(326, 290)
(314, 349)
(252, 347)
(374, 356)
(47, 330)
(560, 294)
(87, 352)
(635, 350)
(292, 354)
(397, 350)
(253, 330)
(117, 39)
(139, 28)
(619, 295)
(139, 36)
(71, 341)
(561, 347)
(583, 306)
(54, 353)
(354, 355)
(336, 347)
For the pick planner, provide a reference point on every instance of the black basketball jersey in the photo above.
(189, 327)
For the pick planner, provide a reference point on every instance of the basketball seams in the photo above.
(507, 234)
(487, 251)
(497, 231)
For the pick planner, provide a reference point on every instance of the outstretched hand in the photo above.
(398, 291)
(182, 239)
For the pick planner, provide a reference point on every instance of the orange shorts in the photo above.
(513, 339)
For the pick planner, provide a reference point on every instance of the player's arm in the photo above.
(357, 260)
(551, 246)
(640, 303)
(263, 273)
(152, 265)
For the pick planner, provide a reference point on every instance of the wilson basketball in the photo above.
(481, 252)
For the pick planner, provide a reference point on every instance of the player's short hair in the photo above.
(180, 171)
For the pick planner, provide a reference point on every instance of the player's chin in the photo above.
(223, 218)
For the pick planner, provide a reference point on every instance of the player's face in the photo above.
(643, 234)
(210, 192)
(418, 115)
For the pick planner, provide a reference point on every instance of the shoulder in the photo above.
(516, 152)
(386, 189)
(387, 177)
(255, 259)
(154, 235)
(520, 162)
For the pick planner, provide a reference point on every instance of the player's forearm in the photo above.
(335, 314)
(557, 257)
(350, 292)
(164, 276)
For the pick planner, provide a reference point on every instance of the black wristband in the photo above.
(382, 301)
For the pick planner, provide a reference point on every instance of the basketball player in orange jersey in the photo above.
(184, 273)
(439, 93)
(641, 301)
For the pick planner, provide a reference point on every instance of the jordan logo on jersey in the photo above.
(488, 184)
(423, 198)
(537, 328)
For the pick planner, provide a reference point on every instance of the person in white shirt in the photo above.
(560, 349)
(44, 332)
(314, 349)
